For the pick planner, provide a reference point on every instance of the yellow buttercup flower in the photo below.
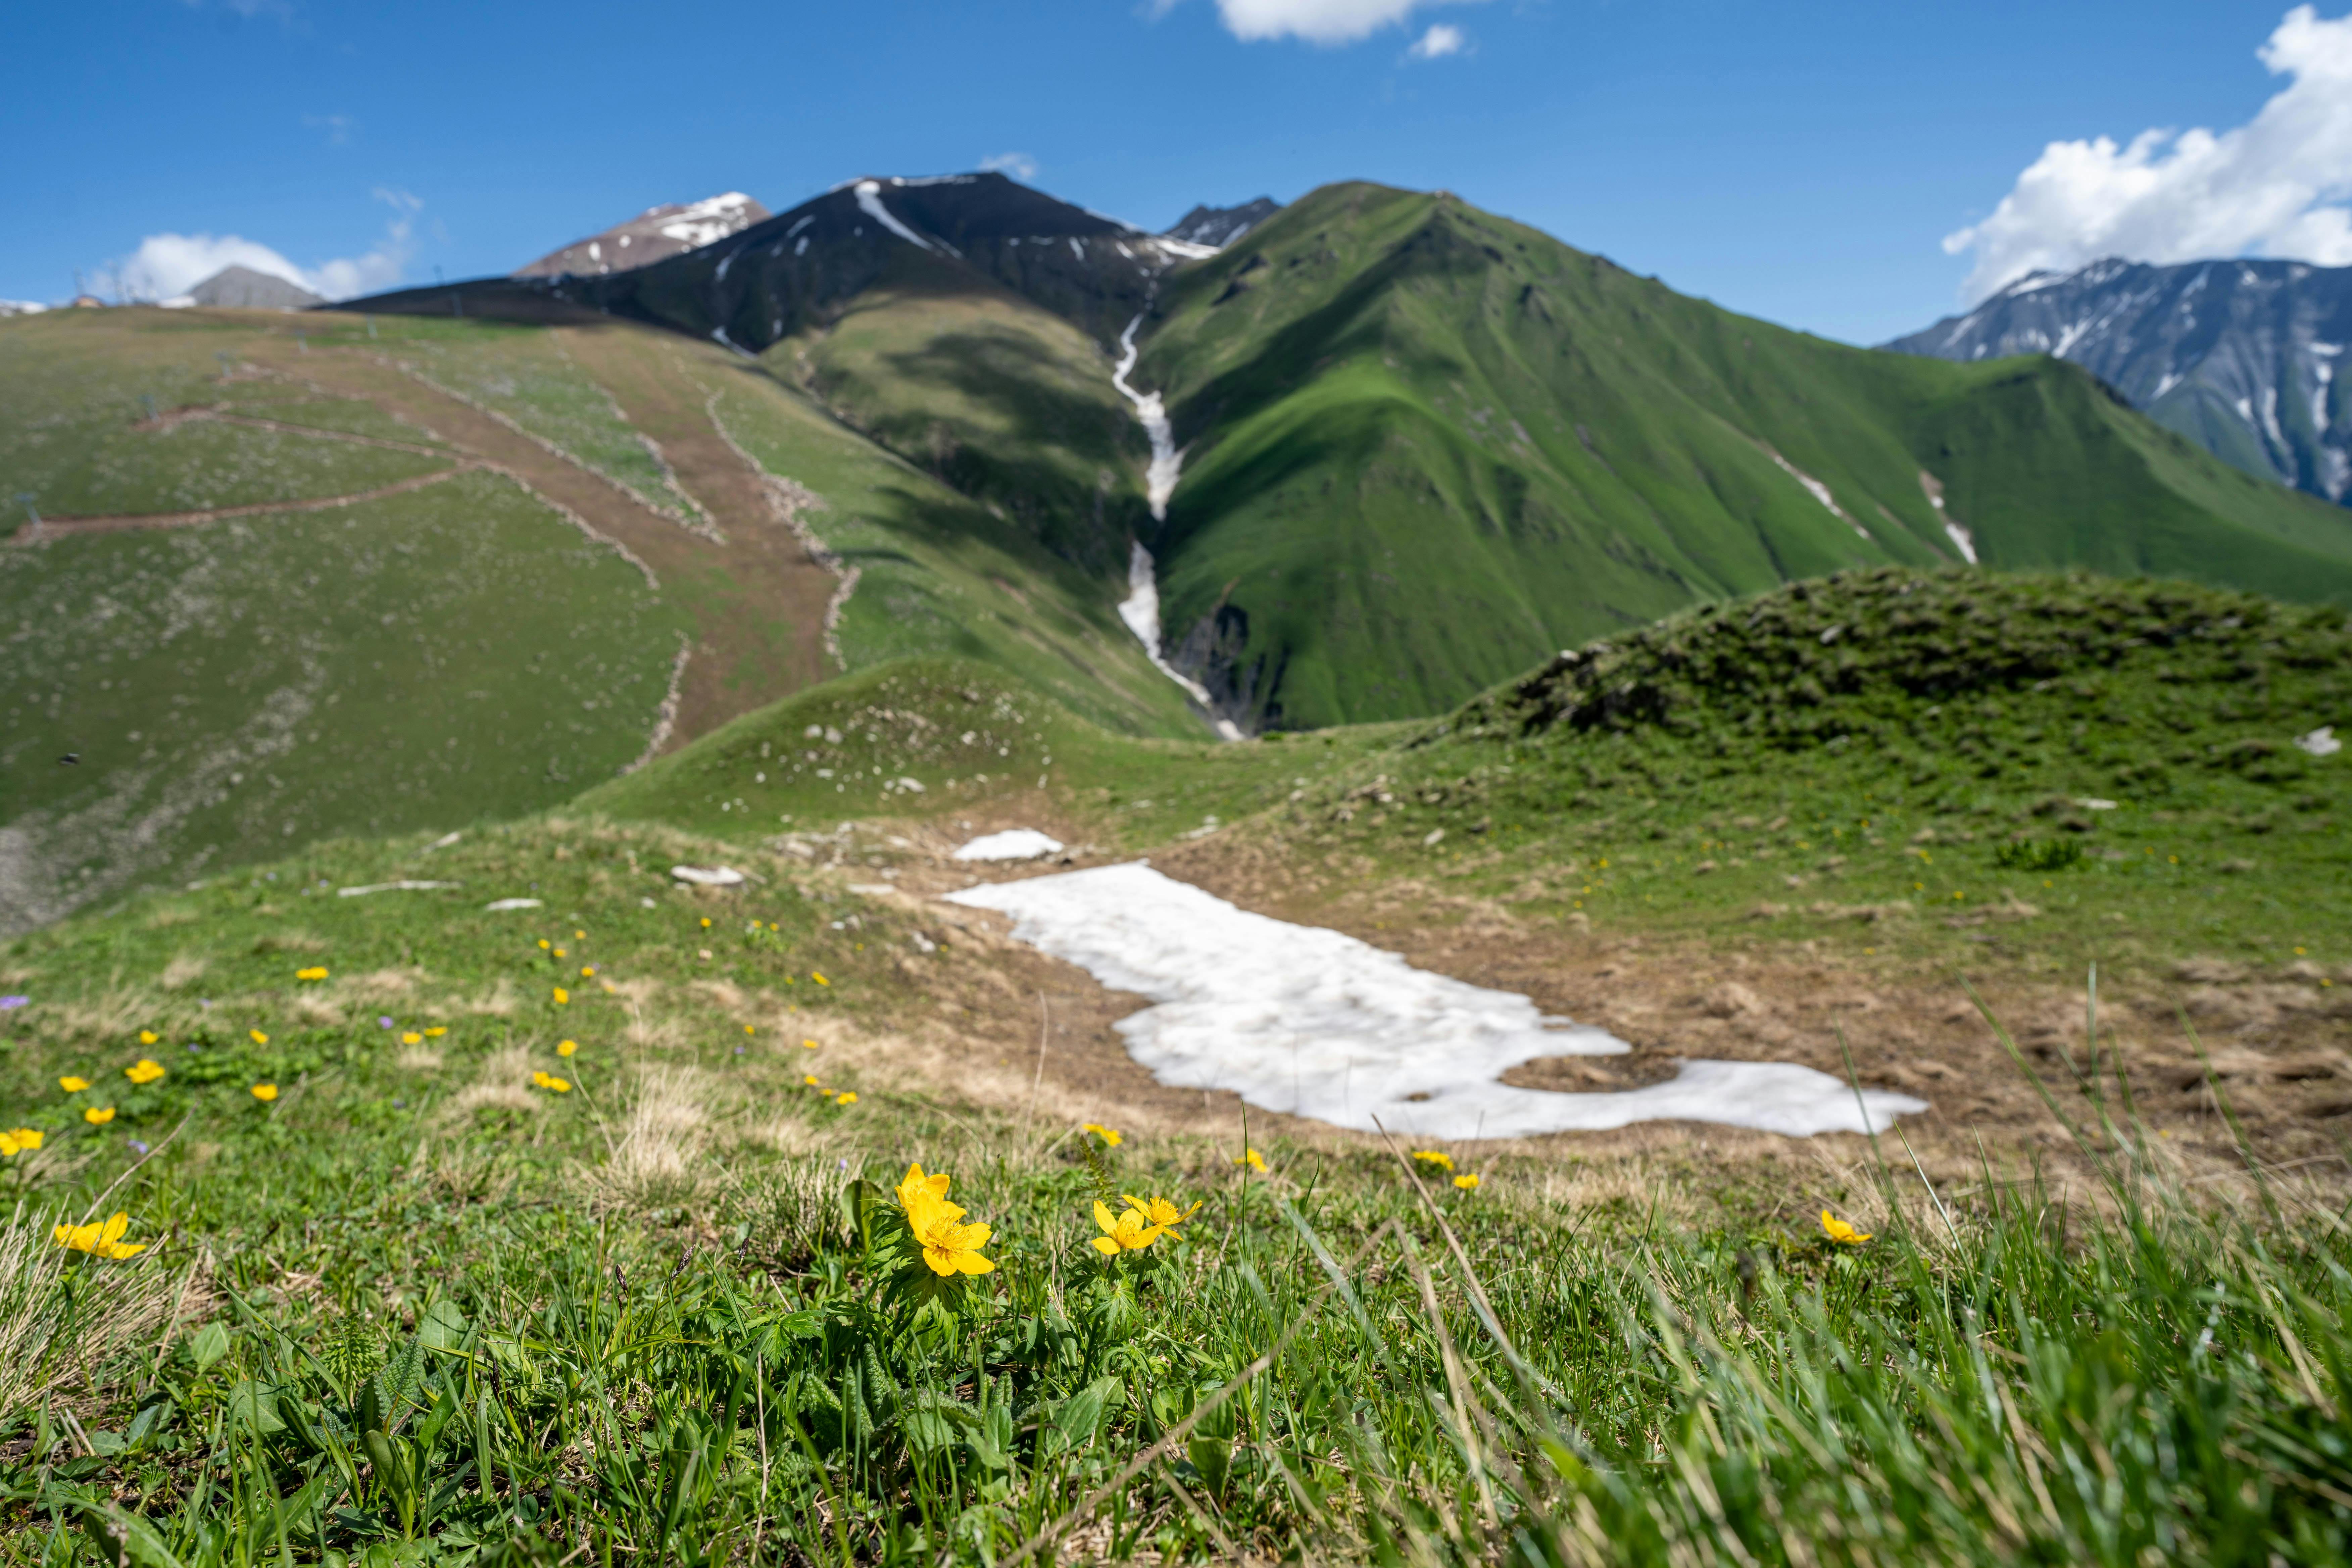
(1130, 1230)
(558, 952)
(8, 1146)
(549, 1081)
(808, 1044)
(19, 1140)
(750, 1030)
(436, 1031)
(1845, 1235)
(98, 1116)
(561, 996)
(542, 944)
(411, 1037)
(706, 922)
(565, 1048)
(1160, 1213)
(264, 1092)
(1253, 1159)
(148, 1036)
(1438, 1158)
(847, 1097)
(316, 972)
(73, 1084)
(582, 935)
(257, 1036)
(1467, 1182)
(1110, 1135)
(820, 979)
(104, 1240)
(949, 1247)
(587, 971)
(143, 1071)
(810, 1078)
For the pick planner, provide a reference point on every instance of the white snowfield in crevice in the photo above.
(1140, 610)
(1313, 1023)
(1013, 844)
(869, 201)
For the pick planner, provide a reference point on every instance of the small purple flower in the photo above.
(192, 1045)
(8, 1002)
(400, 1105)
(138, 1147)
(382, 1022)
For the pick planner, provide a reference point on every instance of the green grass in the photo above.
(233, 691)
(1426, 444)
(1915, 784)
(975, 741)
(415, 1310)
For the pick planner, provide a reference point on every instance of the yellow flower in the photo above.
(411, 1037)
(257, 1036)
(436, 1031)
(565, 1048)
(1837, 1230)
(810, 1078)
(750, 1030)
(542, 944)
(949, 1247)
(105, 1240)
(1467, 1182)
(587, 971)
(98, 1116)
(72, 1085)
(561, 996)
(558, 952)
(143, 1071)
(548, 1081)
(1131, 1231)
(1110, 1135)
(26, 1138)
(8, 1146)
(808, 1044)
(148, 1036)
(1253, 1159)
(579, 935)
(1438, 1158)
(847, 1097)
(1159, 1212)
(264, 1092)
(316, 972)
(706, 922)
(820, 979)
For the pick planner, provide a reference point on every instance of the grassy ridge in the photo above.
(1427, 443)
(2061, 768)
(447, 1314)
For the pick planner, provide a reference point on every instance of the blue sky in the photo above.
(1801, 162)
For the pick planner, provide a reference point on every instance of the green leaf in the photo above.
(442, 1327)
(254, 1406)
(208, 1344)
(124, 1540)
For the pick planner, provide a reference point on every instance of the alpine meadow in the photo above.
(937, 880)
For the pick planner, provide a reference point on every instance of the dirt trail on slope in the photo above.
(123, 522)
(758, 599)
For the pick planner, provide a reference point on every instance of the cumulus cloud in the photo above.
(1442, 39)
(1020, 165)
(1319, 21)
(2276, 185)
(167, 264)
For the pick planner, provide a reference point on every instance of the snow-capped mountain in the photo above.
(1220, 227)
(654, 235)
(2241, 356)
(752, 288)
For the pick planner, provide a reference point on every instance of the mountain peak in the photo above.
(1220, 227)
(653, 235)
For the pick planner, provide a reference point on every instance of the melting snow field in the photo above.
(1013, 844)
(1312, 1022)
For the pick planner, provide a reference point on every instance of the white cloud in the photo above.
(2276, 186)
(167, 264)
(1020, 165)
(1442, 39)
(1316, 21)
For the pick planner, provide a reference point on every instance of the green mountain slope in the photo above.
(1423, 443)
(305, 576)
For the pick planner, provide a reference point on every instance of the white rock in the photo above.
(1013, 844)
(707, 876)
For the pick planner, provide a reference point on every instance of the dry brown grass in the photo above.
(659, 1158)
(56, 1332)
(183, 970)
(503, 1084)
